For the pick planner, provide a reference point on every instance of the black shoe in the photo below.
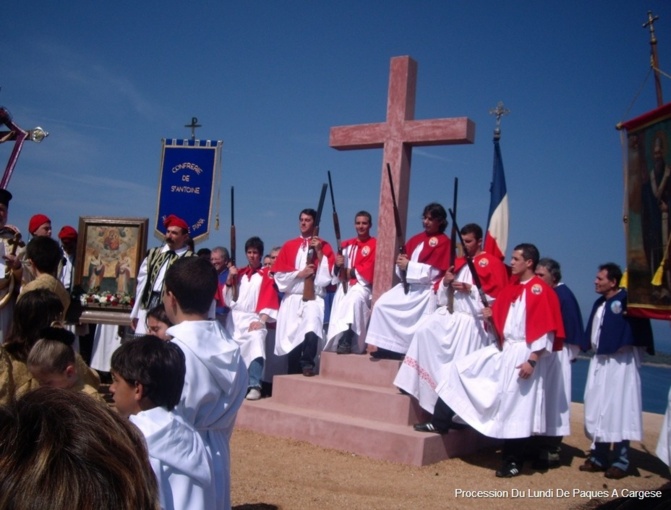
(546, 460)
(615, 473)
(309, 372)
(509, 469)
(591, 467)
(428, 427)
(387, 354)
(344, 346)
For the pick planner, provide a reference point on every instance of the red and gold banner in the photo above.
(648, 212)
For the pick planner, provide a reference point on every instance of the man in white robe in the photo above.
(350, 311)
(497, 390)
(216, 376)
(446, 337)
(398, 311)
(613, 402)
(300, 320)
(557, 369)
(254, 306)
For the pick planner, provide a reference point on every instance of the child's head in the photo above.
(158, 322)
(52, 359)
(34, 311)
(190, 285)
(147, 372)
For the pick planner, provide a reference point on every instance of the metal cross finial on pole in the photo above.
(499, 111)
(194, 124)
(654, 62)
(18, 136)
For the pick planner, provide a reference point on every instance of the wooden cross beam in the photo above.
(397, 136)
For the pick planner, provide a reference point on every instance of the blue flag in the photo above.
(189, 175)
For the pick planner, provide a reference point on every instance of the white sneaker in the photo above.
(254, 394)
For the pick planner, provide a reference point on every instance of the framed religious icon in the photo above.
(109, 254)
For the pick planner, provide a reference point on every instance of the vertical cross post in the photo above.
(397, 136)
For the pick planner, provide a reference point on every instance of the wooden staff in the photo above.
(400, 239)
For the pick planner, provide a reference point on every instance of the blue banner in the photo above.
(189, 177)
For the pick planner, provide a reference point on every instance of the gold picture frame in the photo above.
(109, 254)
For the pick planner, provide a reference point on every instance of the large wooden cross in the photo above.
(397, 136)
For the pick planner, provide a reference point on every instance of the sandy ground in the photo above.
(275, 473)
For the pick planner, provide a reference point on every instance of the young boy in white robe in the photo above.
(216, 376)
(147, 381)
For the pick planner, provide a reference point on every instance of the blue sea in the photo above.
(655, 382)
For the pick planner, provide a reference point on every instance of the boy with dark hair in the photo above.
(300, 323)
(216, 376)
(44, 255)
(148, 376)
(256, 304)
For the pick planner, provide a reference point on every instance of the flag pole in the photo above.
(654, 59)
(496, 238)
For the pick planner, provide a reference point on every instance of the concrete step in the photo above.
(359, 368)
(370, 438)
(321, 393)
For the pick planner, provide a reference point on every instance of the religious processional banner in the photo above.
(190, 173)
(647, 210)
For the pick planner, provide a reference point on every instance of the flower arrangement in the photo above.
(102, 299)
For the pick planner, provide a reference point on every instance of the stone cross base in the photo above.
(353, 406)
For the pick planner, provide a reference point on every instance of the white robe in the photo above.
(484, 388)
(396, 315)
(664, 442)
(296, 317)
(613, 401)
(181, 463)
(351, 309)
(556, 388)
(214, 389)
(106, 340)
(243, 313)
(441, 339)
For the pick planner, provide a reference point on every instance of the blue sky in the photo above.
(109, 80)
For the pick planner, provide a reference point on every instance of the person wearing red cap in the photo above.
(68, 238)
(153, 268)
(11, 267)
(39, 225)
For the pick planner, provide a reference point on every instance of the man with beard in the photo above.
(153, 268)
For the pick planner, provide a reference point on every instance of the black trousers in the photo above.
(303, 355)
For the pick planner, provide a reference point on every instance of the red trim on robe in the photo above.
(268, 298)
(363, 264)
(286, 260)
(492, 272)
(437, 256)
(543, 311)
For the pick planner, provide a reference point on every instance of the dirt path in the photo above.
(275, 473)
